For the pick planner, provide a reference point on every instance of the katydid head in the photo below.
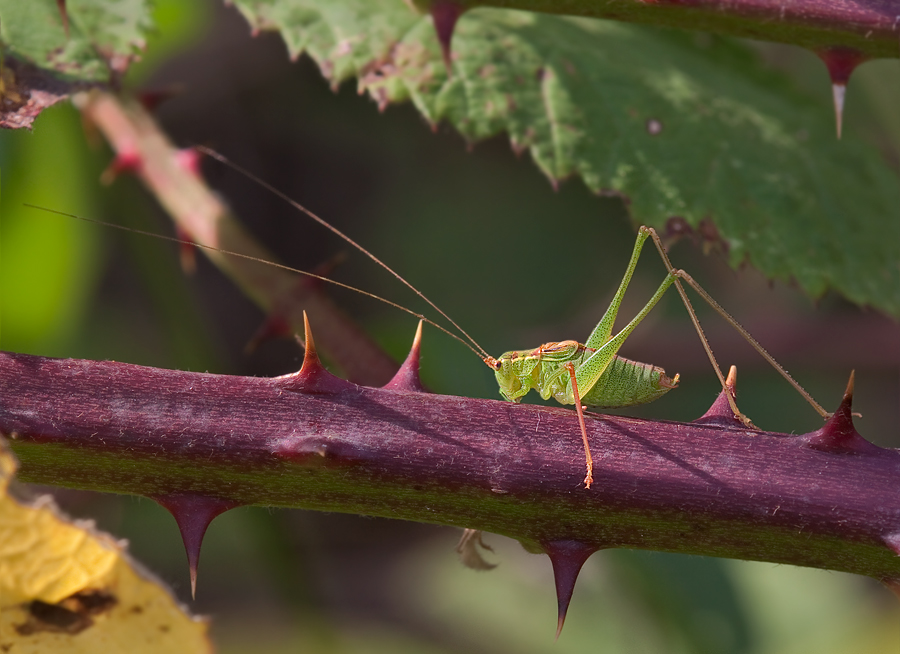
(512, 376)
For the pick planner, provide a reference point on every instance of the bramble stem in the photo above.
(825, 500)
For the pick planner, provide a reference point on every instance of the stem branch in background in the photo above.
(173, 177)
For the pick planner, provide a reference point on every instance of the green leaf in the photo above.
(91, 40)
(679, 124)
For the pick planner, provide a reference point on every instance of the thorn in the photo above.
(445, 14)
(187, 251)
(193, 513)
(721, 413)
(126, 161)
(311, 362)
(567, 557)
(838, 435)
(312, 376)
(848, 392)
(64, 14)
(407, 378)
(731, 380)
(150, 100)
(189, 160)
(839, 92)
(467, 548)
(841, 62)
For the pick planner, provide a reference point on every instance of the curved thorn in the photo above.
(312, 376)
(720, 412)
(567, 557)
(407, 377)
(193, 513)
(125, 161)
(841, 62)
(64, 15)
(310, 356)
(838, 93)
(445, 15)
(839, 435)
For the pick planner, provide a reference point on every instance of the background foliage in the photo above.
(484, 234)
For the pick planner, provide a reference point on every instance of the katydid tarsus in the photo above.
(589, 374)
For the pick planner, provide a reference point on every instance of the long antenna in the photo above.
(173, 239)
(246, 173)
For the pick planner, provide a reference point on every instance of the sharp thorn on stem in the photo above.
(838, 92)
(720, 412)
(567, 558)
(151, 99)
(407, 377)
(445, 16)
(193, 513)
(839, 435)
(64, 15)
(841, 62)
(312, 376)
(311, 362)
(124, 162)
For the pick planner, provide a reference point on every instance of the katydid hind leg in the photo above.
(682, 275)
(604, 328)
(590, 371)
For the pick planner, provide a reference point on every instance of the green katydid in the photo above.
(571, 372)
(594, 374)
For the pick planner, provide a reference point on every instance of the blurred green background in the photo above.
(484, 235)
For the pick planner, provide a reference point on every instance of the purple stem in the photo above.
(870, 27)
(827, 499)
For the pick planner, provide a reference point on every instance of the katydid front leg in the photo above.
(588, 459)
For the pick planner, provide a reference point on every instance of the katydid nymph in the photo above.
(589, 373)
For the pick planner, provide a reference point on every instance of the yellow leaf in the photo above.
(65, 587)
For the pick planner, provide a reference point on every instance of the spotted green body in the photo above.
(623, 383)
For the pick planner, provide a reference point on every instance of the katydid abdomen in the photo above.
(628, 383)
